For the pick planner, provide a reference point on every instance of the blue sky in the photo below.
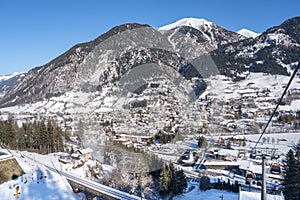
(33, 32)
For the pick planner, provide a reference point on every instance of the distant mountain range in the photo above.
(193, 47)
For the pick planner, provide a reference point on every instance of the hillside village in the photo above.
(227, 121)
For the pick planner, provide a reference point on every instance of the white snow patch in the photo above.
(207, 195)
(247, 33)
(6, 77)
(192, 22)
(244, 195)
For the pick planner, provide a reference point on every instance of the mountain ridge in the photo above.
(273, 51)
(232, 53)
(68, 61)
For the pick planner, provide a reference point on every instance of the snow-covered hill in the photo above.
(37, 183)
(274, 52)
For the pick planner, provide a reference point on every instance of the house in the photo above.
(228, 154)
(75, 156)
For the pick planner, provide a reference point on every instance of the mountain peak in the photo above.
(247, 33)
(192, 22)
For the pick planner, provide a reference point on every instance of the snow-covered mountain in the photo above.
(106, 59)
(247, 33)
(275, 51)
(192, 47)
(208, 35)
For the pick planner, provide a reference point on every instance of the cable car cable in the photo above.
(280, 100)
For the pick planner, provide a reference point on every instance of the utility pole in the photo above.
(264, 179)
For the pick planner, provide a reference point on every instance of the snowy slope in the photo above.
(247, 33)
(37, 183)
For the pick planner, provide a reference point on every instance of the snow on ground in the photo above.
(207, 195)
(283, 141)
(38, 183)
(224, 88)
(220, 86)
(244, 195)
(295, 105)
(4, 154)
(53, 160)
(214, 194)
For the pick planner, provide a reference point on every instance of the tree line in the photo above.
(43, 136)
(205, 184)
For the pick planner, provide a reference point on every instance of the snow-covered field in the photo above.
(214, 194)
(257, 196)
(281, 141)
(208, 195)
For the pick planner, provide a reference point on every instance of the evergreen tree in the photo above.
(10, 134)
(181, 182)
(291, 177)
(172, 182)
(164, 181)
(43, 140)
(139, 189)
(236, 187)
(204, 183)
(202, 142)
